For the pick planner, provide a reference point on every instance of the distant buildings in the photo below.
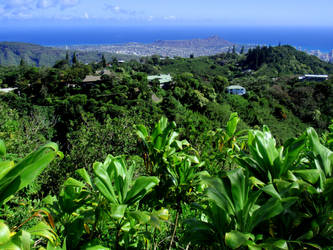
(236, 90)
(313, 77)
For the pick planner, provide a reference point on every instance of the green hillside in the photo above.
(173, 165)
(11, 53)
(284, 60)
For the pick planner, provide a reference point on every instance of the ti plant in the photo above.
(233, 210)
(301, 168)
(106, 204)
(175, 162)
(14, 177)
(227, 145)
(160, 145)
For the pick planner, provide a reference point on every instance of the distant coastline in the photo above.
(305, 39)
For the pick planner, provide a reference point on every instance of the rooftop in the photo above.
(319, 76)
(235, 87)
(91, 78)
(162, 78)
(7, 90)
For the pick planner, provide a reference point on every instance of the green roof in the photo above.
(161, 78)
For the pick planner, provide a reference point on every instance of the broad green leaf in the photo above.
(293, 148)
(84, 175)
(239, 188)
(270, 189)
(270, 209)
(5, 167)
(103, 182)
(126, 227)
(10, 246)
(142, 132)
(307, 236)
(43, 230)
(142, 186)
(4, 233)
(324, 155)
(49, 200)
(25, 240)
(172, 137)
(2, 149)
(309, 175)
(118, 211)
(105, 191)
(232, 124)
(235, 239)
(141, 217)
(27, 170)
(274, 244)
(163, 214)
(216, 191)
(256, 182)
(73, 182)
(280, 244)
(96, 247)
(162, 123)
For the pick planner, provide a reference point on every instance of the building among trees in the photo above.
(313, 77)
(236, 90)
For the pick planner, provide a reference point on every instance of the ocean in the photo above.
(305, 38)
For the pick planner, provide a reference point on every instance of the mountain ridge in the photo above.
(11, 53)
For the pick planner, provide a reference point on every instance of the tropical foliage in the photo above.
(185, 165)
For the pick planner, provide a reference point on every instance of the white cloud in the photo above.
(24, 9)
(169, 18)
(18, 5)
(86, 15)
(44, 4)
(116, 9)
(113, 8)
(68, 3)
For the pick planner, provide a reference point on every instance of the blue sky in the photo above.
(167, 12)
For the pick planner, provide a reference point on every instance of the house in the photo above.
(7, 90)
(236, 90)
(104, 72)
(164, 80)
(313, 77)
(91, 79)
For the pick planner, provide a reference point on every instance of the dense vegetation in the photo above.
(208, 182)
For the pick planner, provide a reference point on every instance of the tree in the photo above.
(242, 50)
(74, 59)
(234, 49)
(22, 62)
(103, 61)
(67, 57)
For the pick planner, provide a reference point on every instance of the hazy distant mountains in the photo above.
(213, 41)
(11, 53)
